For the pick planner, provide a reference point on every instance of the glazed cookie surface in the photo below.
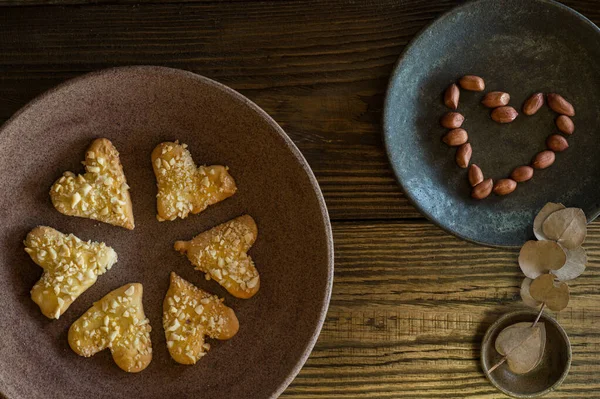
(101, 193)
(183, 187)
(221, 253)
(190, 314)
(70, 266)
(117, 321)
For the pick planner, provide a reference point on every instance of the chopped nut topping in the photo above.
(129, 342)
(70, 266)
(221, 253)
(101, 193)
(130, 291)
(185, 328)
(184, 188)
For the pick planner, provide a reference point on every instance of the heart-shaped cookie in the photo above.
(101, 193)
(189, 314)
(70, 265)
(221, 253)
(554, 294)
(183, 187)
(117, 321)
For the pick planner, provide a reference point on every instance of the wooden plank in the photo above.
(29, 3)
(303, 5)
(581, 5)
(410, 307)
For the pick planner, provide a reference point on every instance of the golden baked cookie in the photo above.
(189, 314)
(101, 193)
(117, 322)
(70, 265)
(183, 187)
(221, 253)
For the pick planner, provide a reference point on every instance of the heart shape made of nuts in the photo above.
(503, 113)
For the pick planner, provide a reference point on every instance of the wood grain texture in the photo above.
(409, 310)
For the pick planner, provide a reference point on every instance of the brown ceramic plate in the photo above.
(137, 108)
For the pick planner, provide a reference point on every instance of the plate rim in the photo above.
(324, 306)
(387, 130)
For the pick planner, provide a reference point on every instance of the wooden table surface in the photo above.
(410, 302)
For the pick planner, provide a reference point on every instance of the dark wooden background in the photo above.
(410, 302)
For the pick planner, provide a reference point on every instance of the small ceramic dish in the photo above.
(546, 377)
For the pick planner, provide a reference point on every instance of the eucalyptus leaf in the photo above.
(554, 294)
(539, 257)
(526, 295)
(568, 227)
(542, 215)
(574, 266)
(522, 345)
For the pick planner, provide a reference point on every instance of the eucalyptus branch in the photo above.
(539, 315)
